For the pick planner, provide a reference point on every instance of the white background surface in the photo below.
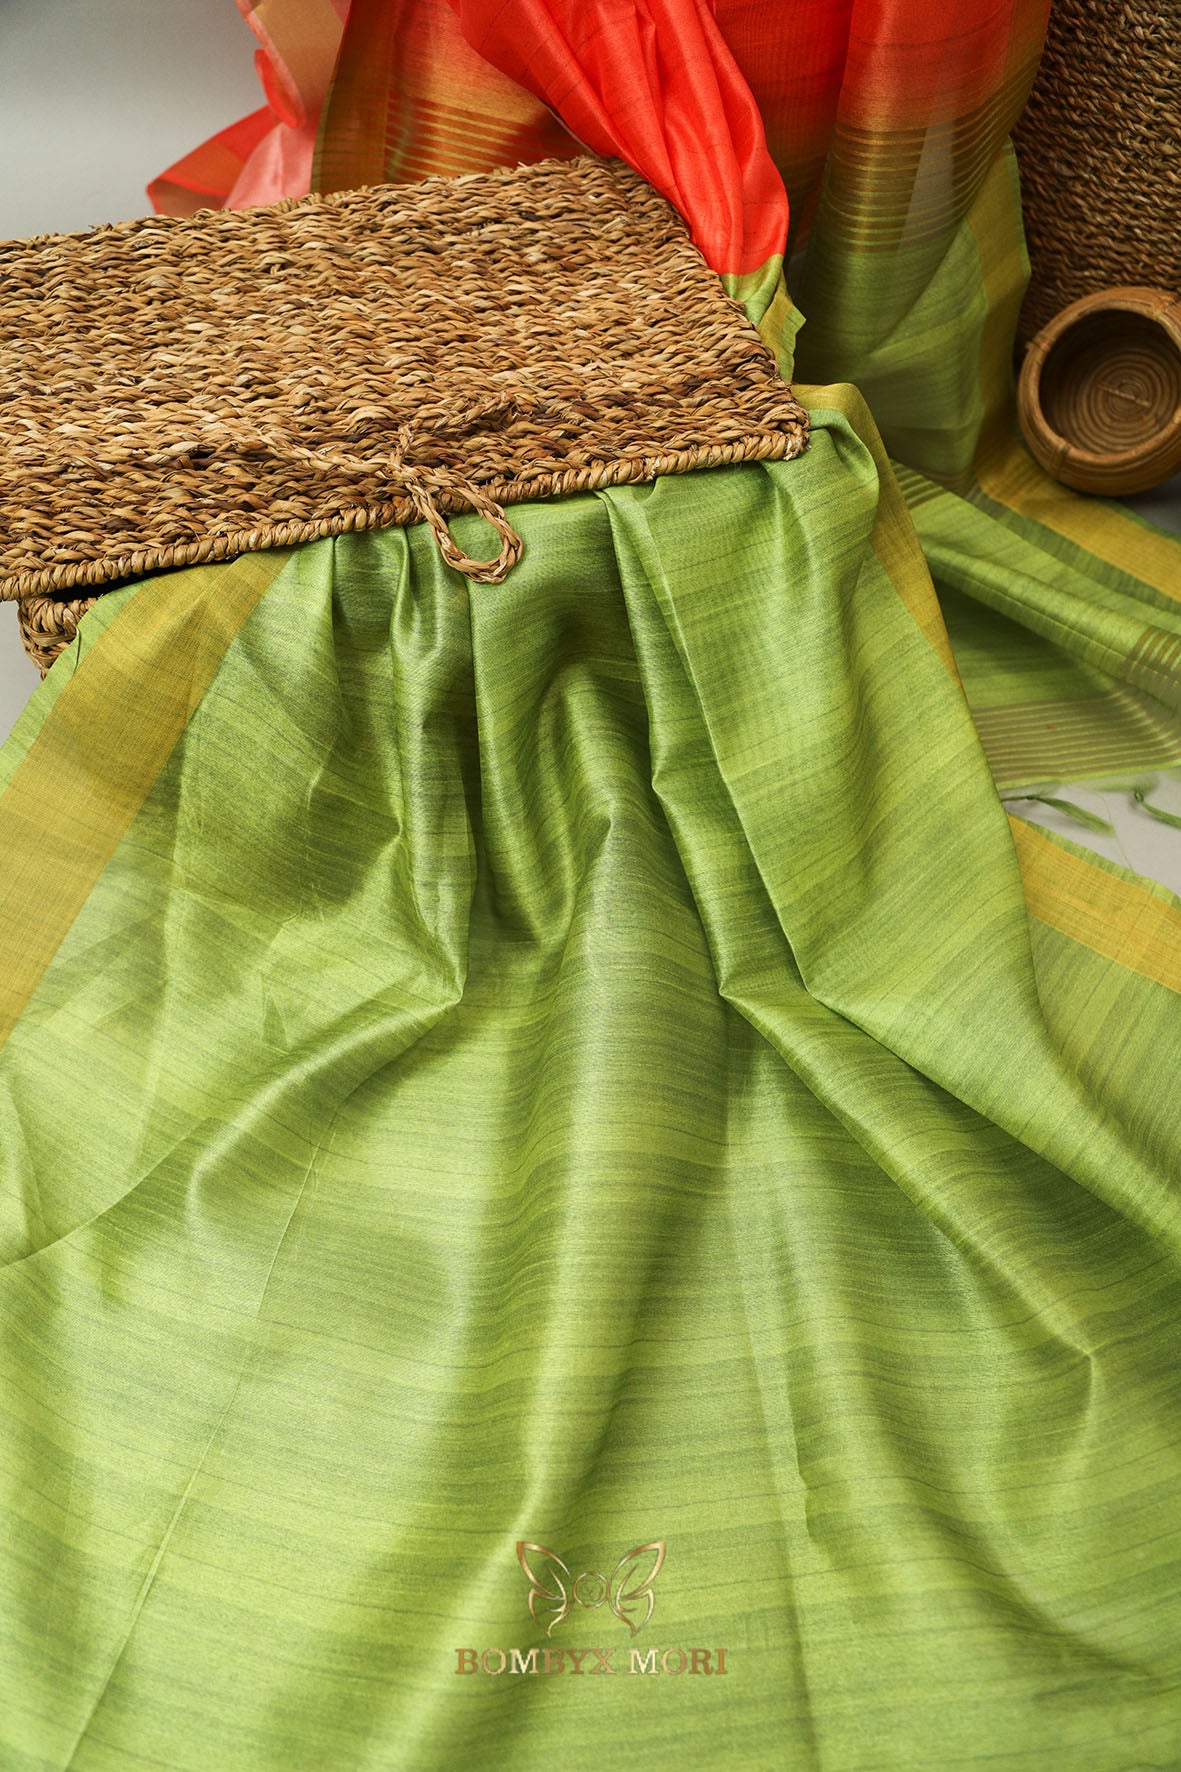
(98, 96)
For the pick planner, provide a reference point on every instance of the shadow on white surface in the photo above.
(19, 676)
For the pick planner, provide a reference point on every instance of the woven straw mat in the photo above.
(182, 390)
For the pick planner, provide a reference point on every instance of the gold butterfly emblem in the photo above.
(552, 1590)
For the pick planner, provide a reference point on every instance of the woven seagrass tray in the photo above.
(1099, 147)
(184, 390)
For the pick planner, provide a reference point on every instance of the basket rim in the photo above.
(1162, 308)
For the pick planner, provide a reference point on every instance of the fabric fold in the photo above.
(589, 1060)
(510, 1112)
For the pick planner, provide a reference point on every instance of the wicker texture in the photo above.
(1099, 146)
(1099, 394)
(48, 624)
(183, 390)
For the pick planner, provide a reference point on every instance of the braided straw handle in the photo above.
(420, 484)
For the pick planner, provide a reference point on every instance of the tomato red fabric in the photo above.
(719, 103)
(204, 178)
(657, 85)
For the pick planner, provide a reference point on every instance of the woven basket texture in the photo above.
(1099, 147)
(1099, 392)
(183, 390)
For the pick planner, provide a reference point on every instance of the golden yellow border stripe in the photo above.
(1112, 916)
(1014, 479)
(109, 733)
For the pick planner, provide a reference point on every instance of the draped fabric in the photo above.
(590, 1063)
(888, 123)
(526, 1063)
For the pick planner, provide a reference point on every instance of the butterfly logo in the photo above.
(552, 1589)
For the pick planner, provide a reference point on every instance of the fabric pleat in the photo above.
(532, 1068)
(590, 1063)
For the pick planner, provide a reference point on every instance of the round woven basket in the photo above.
(1099, 146)
(1099, 394)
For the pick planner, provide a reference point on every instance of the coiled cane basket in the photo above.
(1099, 393)
(1099, 149)
(184, 390)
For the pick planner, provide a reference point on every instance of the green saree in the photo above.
(571, 1063)
(574, 1189)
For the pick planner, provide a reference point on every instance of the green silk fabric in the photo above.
(571, 1062)
(1064, 610)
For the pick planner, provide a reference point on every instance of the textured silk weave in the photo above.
(589, 1061)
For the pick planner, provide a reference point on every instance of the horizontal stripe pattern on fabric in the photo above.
(550, 1058)
(1034, 742)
